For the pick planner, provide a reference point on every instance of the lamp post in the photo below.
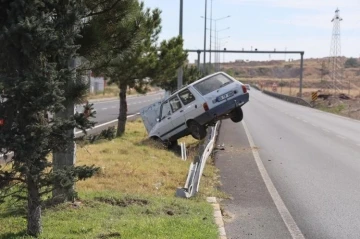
(217, 44)
(205, 20)
(218, 48)
(215, 22)
(180, 70)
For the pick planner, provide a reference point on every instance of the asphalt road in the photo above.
(313, 160)
(109, 110)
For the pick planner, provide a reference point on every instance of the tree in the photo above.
(191, 74)
(351, 62)
(36, 43)
(124, 50)
(170, 57)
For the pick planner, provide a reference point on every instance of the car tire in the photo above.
(237, 115)
(197, 131)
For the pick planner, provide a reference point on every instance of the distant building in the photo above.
(97, 84)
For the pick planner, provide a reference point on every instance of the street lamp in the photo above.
(180, 70)
(220, 45)
(205, 20)
(215, 21)
(217, 55)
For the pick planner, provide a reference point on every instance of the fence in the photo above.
(197, 167)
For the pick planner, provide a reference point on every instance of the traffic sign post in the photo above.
(314, 96)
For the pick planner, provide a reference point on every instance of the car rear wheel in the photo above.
(197, 131)
(237, 115)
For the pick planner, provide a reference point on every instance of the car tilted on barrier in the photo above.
(193, 108)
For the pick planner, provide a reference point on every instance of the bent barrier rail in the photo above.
(292, 99)
(197, 167)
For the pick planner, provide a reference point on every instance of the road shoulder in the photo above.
(251, 212)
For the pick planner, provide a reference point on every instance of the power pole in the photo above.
(211, 20)
(336, 64)
(205, 19)
(67, 157)
(180, 70)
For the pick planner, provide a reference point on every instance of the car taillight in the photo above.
(244, 89)
(206, 107)
(1, 122)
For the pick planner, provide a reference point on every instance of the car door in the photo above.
(177, 117)
(192, 104)
(165, 125)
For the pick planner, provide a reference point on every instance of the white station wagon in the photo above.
(191, 109)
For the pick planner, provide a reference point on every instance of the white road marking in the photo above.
(314, 125)
(113, 107)
(104, 108)
(326, 130)
(297, 118)
(280, 205)
(107, 123)
(305, 121)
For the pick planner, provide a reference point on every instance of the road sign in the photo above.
(314, 96)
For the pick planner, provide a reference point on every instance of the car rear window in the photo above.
(213, 83)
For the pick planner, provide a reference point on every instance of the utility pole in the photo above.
(211, 31)
(205, 19)
(336, 64)
(67, 157)
(180, 70)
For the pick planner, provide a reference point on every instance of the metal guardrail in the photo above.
(292, 99)
(197, 167)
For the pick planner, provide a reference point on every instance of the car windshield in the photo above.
(213, 83)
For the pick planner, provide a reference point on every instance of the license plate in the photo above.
(224, 96)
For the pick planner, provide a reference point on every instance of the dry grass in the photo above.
(135, 165)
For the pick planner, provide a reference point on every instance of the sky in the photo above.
(298, 25)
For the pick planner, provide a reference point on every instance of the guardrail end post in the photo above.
(182, 193)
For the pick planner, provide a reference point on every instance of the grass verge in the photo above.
(131, 197)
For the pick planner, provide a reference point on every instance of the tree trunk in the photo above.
(123, 111)
(34, 208)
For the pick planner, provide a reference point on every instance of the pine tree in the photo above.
(36, 43)
(120, 42)
(125, 51)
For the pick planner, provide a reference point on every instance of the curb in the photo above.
(116, 98)
(218, 217)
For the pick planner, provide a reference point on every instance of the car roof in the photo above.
(196, 82)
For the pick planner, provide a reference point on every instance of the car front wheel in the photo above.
(237, 115)
(197, 131)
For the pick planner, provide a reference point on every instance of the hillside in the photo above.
(287, 74)
(316, 78)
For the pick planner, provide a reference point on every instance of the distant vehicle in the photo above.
(195, 107)
(247, 86)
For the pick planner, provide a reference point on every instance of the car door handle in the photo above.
(181, 111)
(169, 118)
(195, 106)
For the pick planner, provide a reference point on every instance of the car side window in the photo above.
(186, 97)
(175, 104)
(165, 110)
